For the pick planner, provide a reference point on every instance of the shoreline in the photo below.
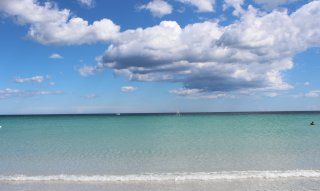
(167, 177)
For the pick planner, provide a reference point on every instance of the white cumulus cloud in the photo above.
(270, 4)
(158, 8)
(55, 56)
(87, 3)
(236, 5)
(201, 5)
(49, 25)
(91, 70)
(250, 54)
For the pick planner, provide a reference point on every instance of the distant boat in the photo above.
(118, 114)
(178, 113)
(0, 126)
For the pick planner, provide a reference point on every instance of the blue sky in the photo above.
(84, 56)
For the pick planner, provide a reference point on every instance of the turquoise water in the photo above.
(162, 146)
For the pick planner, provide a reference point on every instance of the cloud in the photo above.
(127, 89)
(6, 93)
(12, 93)
(236, 5)
(271, 94)
(202, 5)
(158, 8)
(271, 4)
(306, 83)
(250, 54)
(87, 3)
(49, 25)
(197, 93)
(91, 70)
(313, 94)
(37, 79)
(310, 94)
(87, 70)
(55, 56)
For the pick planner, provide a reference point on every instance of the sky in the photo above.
(139, 56)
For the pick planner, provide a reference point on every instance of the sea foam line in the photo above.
(176, 177)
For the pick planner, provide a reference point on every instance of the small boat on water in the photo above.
(178, 113)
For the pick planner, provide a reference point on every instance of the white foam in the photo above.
(176, 177)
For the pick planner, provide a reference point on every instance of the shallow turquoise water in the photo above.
(121, 145)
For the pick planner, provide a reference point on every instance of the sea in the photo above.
(276, 151)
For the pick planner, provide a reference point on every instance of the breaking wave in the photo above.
(176, 177)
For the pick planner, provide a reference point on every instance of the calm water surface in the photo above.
(157, 144)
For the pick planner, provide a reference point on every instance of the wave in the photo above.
(176, 177)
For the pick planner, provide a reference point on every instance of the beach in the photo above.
(220, 151)
(257, 185)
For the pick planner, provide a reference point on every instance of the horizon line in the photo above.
(167, 113)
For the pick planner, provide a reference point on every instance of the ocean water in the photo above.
(231, 151)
